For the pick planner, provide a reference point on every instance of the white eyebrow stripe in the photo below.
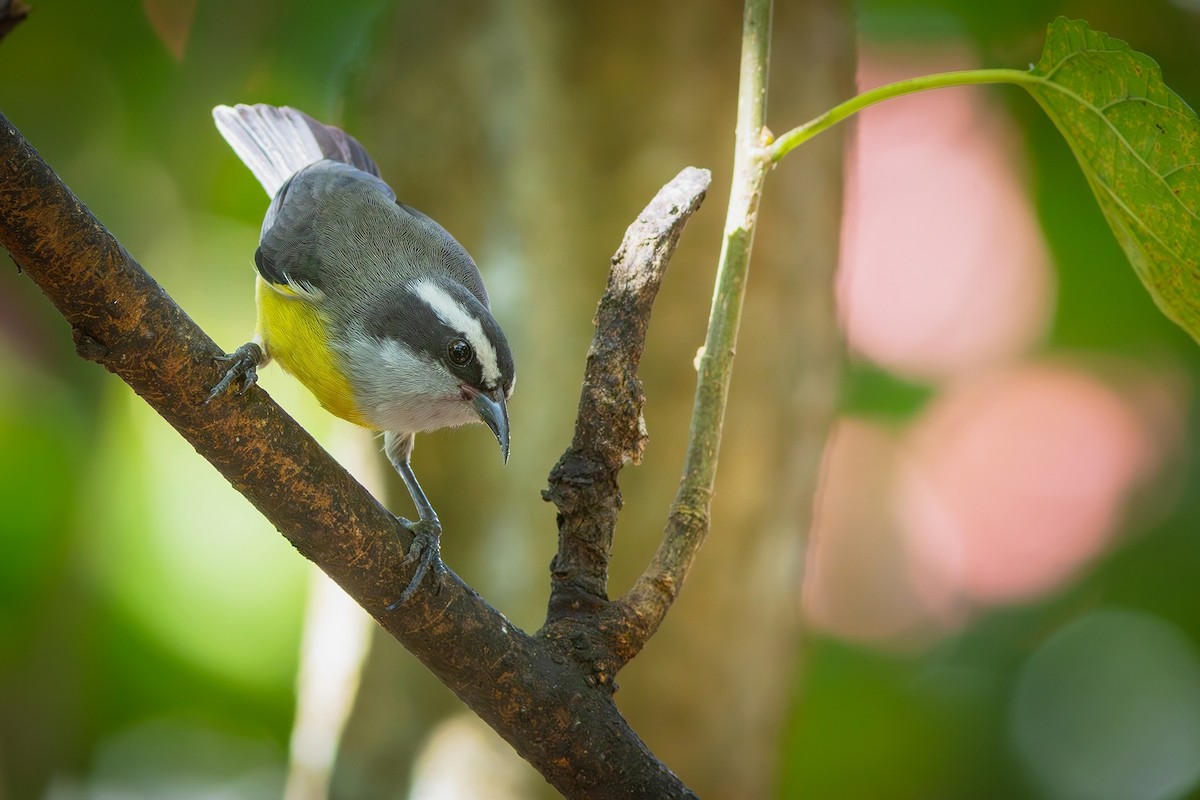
(452, 313)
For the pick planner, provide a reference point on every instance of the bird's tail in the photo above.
(277, 142)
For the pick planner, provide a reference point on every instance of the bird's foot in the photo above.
(426, 552)
(243, 368)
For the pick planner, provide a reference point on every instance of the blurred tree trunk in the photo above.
(535, 131)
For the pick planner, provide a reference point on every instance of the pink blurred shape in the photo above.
(1012, 481)
(943, 264)
(1004, 488)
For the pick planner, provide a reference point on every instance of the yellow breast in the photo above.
(295, 336)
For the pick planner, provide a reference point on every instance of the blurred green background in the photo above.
(151, 623)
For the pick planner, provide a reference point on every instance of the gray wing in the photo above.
(333, 228)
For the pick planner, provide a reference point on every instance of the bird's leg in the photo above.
(243, 366)
(425, 549)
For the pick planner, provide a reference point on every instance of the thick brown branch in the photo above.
(527, 688)
(609, 429)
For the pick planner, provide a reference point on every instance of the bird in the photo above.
(369, 303)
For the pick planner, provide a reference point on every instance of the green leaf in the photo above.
(1139, 146)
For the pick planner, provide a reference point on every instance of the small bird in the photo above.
(368, 302)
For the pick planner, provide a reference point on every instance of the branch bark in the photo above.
(609, 429)
(530, 689)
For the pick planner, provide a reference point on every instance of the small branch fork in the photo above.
(602, 635)
(609, 427)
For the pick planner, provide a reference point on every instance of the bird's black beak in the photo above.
(494, 414)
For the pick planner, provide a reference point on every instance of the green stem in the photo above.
(749, 172)
(801, 134)
(687, 525)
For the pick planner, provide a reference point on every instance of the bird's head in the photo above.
(433, 356)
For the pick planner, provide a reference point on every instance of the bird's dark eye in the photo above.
(460, 352)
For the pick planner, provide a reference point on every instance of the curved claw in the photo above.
(426, 552)
(243, 367)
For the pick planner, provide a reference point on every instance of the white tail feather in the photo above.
(275, 143)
